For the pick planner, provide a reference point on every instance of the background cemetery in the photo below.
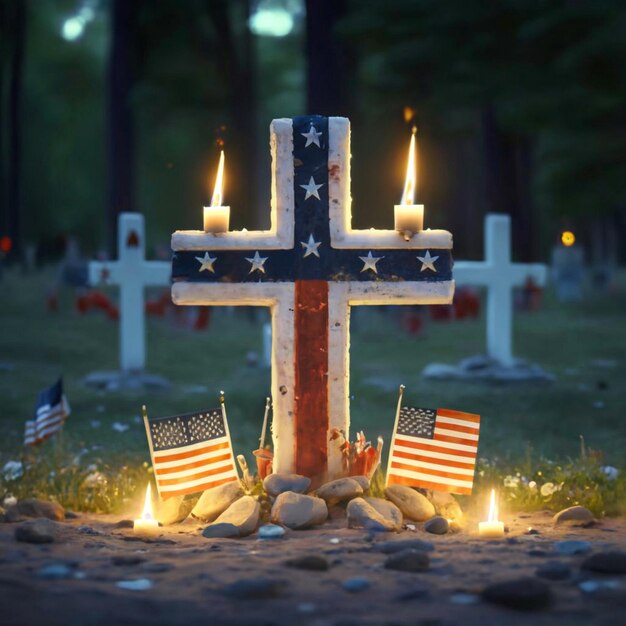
(507, 156)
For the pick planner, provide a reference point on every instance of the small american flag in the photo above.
(190, 452)
(50, 413)
(434, 450)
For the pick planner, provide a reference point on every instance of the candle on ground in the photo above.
(216, 216)
(146, 525)
(492, 528)
(409, 217)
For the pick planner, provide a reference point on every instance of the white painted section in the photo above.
(280, 235)
(279, 297)
(499, 275)
(342, 234)
(132, 273)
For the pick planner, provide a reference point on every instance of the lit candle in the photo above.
(409, 217)
(216, 216)
(146, 525)
(492, 528)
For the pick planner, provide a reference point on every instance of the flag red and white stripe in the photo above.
(30, 433)
(434, 450)
(191, 453)
(50, 414)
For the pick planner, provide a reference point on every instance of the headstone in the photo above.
(132, 273)
(310, 268)
(568, 264)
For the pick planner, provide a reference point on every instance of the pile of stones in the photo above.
(288, 502)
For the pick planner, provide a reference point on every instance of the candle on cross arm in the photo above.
(146, 525)
(492, 528)
(409, 217)
(217, 216)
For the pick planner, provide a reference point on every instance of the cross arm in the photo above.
(97, 270)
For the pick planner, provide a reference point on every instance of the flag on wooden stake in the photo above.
(51, 411)
(191, 452)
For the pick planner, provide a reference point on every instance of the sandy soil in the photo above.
(191, 576)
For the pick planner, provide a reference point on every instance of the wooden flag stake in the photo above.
(263, 430)
(144, 413)
(395, 428)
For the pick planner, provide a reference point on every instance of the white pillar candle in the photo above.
(492, 528)
(216, 219)
(146, 525)
(408, 217)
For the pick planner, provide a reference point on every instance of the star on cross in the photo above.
(312, 137)
(311, 189)
(310, 247)
(206, 262)
(369, 262)
(428, 262)
(257, 262)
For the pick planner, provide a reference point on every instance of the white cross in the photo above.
(132, 273)
(499, 275)
(280, 296)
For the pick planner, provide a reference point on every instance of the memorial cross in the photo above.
(310, 268)
(132, 273)
(499, 275)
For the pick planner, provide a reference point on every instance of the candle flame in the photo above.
(147, 505)
(408, 196)
(493, 508)
(216, 200)
(568, 238)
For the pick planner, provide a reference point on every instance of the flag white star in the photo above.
(206, 262)
(257, 262)
(310, 247)
(311, 189)
(369, 262)
(428, 262)
(312, 137)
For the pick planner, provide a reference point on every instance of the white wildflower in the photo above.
(10, 500)
(511, 482)
(610, 472)
(547, 489)
(94, 479)
(532, 485)
(12, 470)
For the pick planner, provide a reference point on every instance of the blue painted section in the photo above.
(312, 218)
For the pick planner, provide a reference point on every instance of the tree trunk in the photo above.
(329, 63)
(120, 128)
(14, 189)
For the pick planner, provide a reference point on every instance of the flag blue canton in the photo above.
(51, 410)
(417, 422)
(181, 430)
(311, 226)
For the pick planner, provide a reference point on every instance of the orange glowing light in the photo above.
(147, 506)
(216, 200)
(410, 183)
(567, 238)
(5, 244)
(493, 508)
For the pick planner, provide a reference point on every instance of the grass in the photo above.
(583, 344)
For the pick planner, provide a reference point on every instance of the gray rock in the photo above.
(554, 570)
(213, 502)
(437, 525)
(408, 561)
(56, 571)
(220, 530)
(356, 584)
(572, 546)
(157, 568)
(173, 510)
(255, 589)
(361, 514)
(297, 511)
(275, 484)
(139, 584)
(271, 531)
(126, 559)
(364, 481)
(606, 563)
(340, 490)
(574, 516)
(313, 562)
(33, 508)
(524, 594)
(387, 509)
(445, 505)
(243, 514)
(464, 599)
(37, 531)
(413, 505)
(392, 547)
(124, 523)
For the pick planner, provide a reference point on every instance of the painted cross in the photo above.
(499, 275)
(132, 273)
(310, 268)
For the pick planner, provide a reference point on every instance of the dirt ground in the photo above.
(73, 581)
